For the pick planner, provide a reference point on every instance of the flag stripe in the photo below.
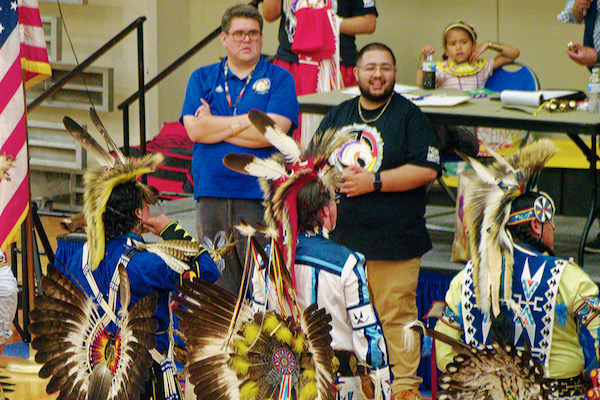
(29, 16)
(14, 214)
(10, 85)
(22, 53)
(14, 143)
(9, 53)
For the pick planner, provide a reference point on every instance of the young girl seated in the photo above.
(462, 68)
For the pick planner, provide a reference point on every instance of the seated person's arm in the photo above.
(425, 50)
(450, 323)
(507, 55)
(359, 24)
(201, 265)
(271, 10)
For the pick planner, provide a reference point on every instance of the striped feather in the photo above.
(87, 142)
(112, 146)
(282, 142)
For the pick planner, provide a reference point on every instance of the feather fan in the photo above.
(80, 352)
(266, 351)
(487, 209)
(498, 372)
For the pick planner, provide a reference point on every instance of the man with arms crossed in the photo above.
(214, 114)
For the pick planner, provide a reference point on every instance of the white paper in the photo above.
(398, 88)
(532, 99)
(436, 100)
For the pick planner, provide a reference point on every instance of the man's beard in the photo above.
(364, 91)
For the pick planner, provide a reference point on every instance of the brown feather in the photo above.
(48, 327)
(110, 144)
(124, 291)
(88, 143)
(144, 308)
(100, 381)
(238, 162)
(63, 281)
(260, 120)
(45, 303)
(51, 366)
(143, 325)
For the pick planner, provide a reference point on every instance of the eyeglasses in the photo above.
(335, 199)
(372, 68)
(240, 36)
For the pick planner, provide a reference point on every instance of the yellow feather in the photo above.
(309, 374)
(309, 391)
(249, 390)
(251, 332)
(240, 347)
(284, 335)
(271, 323)
(298, 343)
(240, 365)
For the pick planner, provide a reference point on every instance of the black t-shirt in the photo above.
(345, 9)
(384, 225)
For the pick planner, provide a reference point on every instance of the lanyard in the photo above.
(228, 96)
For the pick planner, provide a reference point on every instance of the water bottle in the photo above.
(428, 68)
(594, 91)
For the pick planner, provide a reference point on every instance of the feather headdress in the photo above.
(487, 211)
(283, 175)
(100, 182)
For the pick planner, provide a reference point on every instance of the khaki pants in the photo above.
(393, 285)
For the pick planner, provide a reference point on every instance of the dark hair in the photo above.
(522, 232)
(374, 46)
(119, 216)
(312, 198)
(240, 11)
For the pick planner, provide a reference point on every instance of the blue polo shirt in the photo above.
(271, 90)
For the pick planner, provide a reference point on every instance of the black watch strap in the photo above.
(377, 182)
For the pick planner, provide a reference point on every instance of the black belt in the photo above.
(575, 386)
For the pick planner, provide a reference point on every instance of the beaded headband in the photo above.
(542, 209)
(461, 25)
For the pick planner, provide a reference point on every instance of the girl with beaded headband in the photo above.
(462, 66)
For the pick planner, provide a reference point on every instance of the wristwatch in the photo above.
(377, 182)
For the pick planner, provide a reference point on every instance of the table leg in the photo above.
(593, 211)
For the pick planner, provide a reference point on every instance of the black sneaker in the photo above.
(593, 246)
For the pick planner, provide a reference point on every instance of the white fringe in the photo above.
(409, 335)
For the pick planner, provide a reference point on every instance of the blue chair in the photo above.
(513, 76)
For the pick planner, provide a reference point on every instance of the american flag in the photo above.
(23, 61)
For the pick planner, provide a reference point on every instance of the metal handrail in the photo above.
(172, 67)
(124, 106)
(86, 63)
